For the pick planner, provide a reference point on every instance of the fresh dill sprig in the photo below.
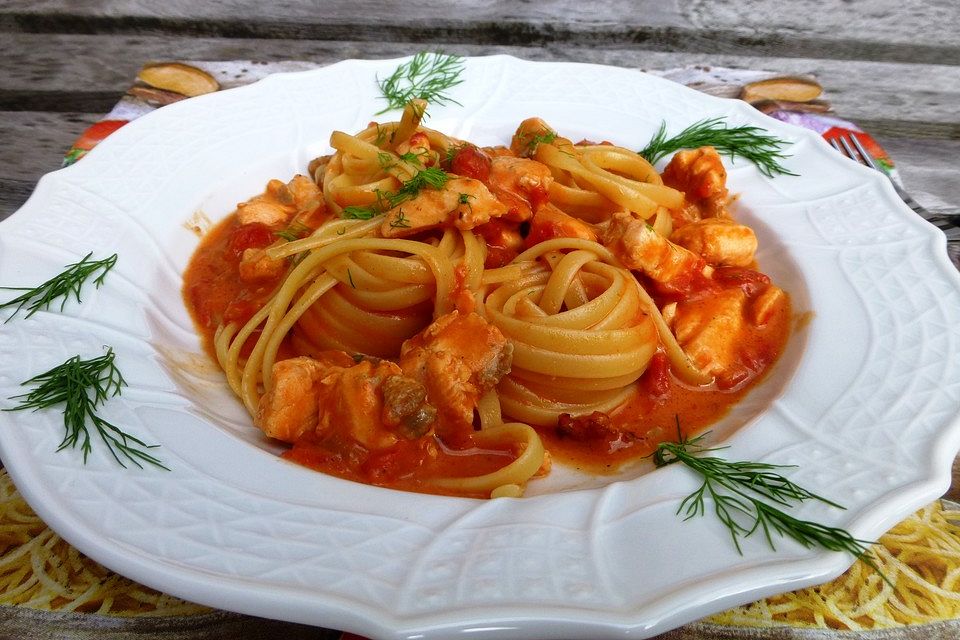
(82, 386)
(452, 152)
(382, 134)
(401, 221)
(388, 161)
(385, 160)
(70, 281)
(426, 76)
(414, 158)
(748, 496)
(432, 177)
(532, 141)
(357, 212)
(749, 142)
(294, 232)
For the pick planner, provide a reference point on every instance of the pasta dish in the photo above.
(425, 314)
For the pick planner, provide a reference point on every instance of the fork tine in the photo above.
(849, 150)
(863, 152)
(851, 147)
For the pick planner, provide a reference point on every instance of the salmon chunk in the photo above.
(639, 247)
(463, 203)
(281, 202)
(289, 409)
(305, 193)
(710, 330)
(255, 265)
(700, 175)
(259, 209)
(458, 358)
(368, 402)
(519, 183)
(550, 222)
(719, 241)
(350, 401)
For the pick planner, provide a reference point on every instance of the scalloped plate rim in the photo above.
(818, 565)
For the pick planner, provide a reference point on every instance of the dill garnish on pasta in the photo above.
(427, 76)
(746, 141)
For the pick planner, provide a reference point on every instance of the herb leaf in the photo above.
(531, 141)
(82, 386)
(355, 212)
(401, 221)
(747, 497)
(751, 143)
(426, 76)
(63, 285)
(294, 232)
(432, 177)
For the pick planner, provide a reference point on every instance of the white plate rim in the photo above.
(43, 484)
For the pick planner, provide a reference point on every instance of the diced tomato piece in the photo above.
(97, 132)
(594, 426)
(382, 466)
(503, 239)
(752, 282)
(550, 222)
(462, 297)
(470, 162)
(539, 196)
(419, 139)
(393, 463)
(254, 235)
(686, 285)
(309, 455)
(656, 379)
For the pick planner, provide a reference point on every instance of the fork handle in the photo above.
(944, 221)
(910, 202)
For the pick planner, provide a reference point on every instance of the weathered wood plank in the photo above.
(92, 101)
(13, 193)
(60, 72)
(809, 28)
(929, 170)
(34, 142)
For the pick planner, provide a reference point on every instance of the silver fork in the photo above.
(851, 147)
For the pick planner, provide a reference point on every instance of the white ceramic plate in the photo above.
(864, 402)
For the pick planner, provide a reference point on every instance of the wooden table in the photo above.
(892, 67)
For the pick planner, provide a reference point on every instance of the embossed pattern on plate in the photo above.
(865, 400)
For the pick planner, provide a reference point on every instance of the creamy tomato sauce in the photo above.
(456, 319)
(214, 294)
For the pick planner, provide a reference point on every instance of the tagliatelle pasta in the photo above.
(39, 570)
(920, 558)
(426, 314)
